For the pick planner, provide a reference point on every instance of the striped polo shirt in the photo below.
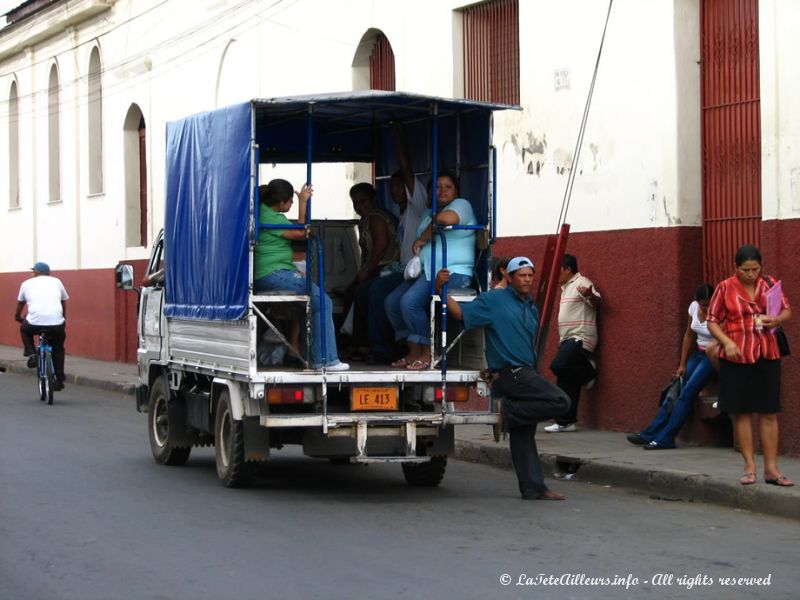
(577, 318)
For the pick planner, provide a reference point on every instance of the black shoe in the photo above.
(636, 439)
(657, 446)
(58, 385)
(32, 361)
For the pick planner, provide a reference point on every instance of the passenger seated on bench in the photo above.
(407, 306)
(377, 237)
(274, 270)
(694, 367)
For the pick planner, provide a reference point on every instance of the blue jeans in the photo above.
(371, 297)
(667, 424)
(294, 282)
(407, 307)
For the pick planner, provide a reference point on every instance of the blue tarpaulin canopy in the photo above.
(209, 175)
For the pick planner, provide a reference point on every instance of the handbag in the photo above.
(671, 393)
(780, 334)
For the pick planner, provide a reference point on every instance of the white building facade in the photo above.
(87, 86)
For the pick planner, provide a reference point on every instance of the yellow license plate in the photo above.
(373, 398)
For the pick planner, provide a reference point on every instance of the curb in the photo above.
(20, 368)
(660, 485)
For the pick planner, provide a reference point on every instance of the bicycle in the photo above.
(45, 368)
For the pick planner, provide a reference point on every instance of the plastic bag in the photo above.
(671, 393)
(413, 268)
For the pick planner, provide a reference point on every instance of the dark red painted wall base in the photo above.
(101, 320)
(647, 278)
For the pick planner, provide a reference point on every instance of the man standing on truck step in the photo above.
(510, 320)
(573, 365)
(47, 311)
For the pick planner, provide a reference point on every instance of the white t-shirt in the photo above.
(43, 294)
(700, 328)
(410, 218)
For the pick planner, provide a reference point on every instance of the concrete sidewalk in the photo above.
(692, 473)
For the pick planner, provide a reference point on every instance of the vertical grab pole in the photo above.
(434, 204)
(309, 248)
(493, 175)
(443, 349)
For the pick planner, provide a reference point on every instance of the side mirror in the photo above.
(124, 277)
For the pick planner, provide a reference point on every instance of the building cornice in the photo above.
(52, 20)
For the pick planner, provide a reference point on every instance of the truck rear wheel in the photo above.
(232, 469)
(162, 423)
(428, 473)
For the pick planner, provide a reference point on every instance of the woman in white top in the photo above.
(695, 368)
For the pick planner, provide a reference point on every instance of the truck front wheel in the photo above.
(232, 469)
(428, 473)
(162, 422)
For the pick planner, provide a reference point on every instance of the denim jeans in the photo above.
(667, 423)
(371, 297)
(407, 307)
(294, 282)
(528, 398)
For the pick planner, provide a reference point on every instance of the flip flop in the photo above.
(401, 363)
(780, 481)
(747, 478)
(418, 365)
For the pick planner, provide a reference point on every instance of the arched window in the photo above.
(373, 62)
(95, 103)
(54, 136)
(135, 156)
(381, 65)
(13, 147)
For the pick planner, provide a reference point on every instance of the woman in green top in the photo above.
(273, 268)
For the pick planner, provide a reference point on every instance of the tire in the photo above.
(49, 377)
(161, 424)
(42, 383)
(232, 469)
(427, 474)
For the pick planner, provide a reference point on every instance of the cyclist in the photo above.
(47, 310)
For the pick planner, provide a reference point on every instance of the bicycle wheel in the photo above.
(49, 376)
(42, 379)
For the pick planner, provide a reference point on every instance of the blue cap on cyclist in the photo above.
(41, 267)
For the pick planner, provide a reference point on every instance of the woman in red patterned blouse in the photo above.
(750, 366)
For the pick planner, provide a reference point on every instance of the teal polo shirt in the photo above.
(509, 325)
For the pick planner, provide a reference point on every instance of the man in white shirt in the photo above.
(45, 298)
(574, 366)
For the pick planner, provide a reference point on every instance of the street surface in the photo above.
(85, 514)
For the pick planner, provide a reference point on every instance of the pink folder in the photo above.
(774, 295)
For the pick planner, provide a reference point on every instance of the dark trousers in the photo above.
(573, 370)
(56, 334)
(528, 398)
(371, 299)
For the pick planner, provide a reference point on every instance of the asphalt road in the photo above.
(85, 513)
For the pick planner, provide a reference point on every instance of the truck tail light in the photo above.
(458, 393)
(285, 395)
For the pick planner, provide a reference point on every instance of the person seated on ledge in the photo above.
(377, 238)
(696, 369)
(274, 270)
(407, 306)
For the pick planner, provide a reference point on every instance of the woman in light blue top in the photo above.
(407, 306)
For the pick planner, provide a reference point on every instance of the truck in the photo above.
(201, 327)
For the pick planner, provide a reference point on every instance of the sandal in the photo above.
(401, 364)
(419, 365)
(748, 478)
(781, 481)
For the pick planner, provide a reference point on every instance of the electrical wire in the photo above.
(562, 217)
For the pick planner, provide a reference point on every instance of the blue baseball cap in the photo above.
(41, 267)
(519, 262)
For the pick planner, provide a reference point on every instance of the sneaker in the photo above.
(556, 428)
(590, 384)
(338, 366)
(636, 439)
(32, 361)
